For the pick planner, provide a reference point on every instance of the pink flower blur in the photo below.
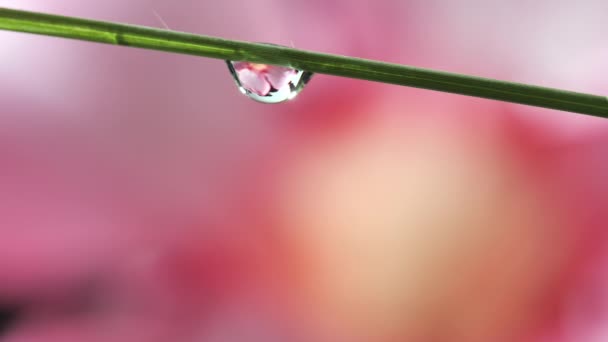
(143, 199)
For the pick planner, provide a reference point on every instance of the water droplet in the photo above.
(268, 83)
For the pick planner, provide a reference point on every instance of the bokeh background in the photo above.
(143, 198)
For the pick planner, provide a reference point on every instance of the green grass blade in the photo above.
(205, 46)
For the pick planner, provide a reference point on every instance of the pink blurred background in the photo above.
(143, 198)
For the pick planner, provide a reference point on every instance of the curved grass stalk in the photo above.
(212, 47)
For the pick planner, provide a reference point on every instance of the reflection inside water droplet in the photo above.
(268, 83)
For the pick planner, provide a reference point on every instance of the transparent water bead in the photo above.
(268, 83)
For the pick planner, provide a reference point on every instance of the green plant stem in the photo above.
(186, 43)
